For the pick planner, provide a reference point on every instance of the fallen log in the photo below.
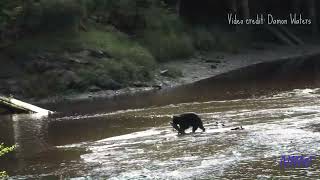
(9, 105)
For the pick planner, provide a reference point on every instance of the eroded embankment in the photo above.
(206, 66)
(255, 80)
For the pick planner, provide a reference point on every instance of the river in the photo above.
(129, 136)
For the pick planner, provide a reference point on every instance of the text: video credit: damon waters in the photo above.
(295, 19)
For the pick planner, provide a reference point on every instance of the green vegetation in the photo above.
(5, 150)
(165, 35)
(127, 61)
(168, 46)
(152, 22)
(132, 36)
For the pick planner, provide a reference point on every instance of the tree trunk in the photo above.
(245, 9)
(178, 6)
(313, 15)
(233, 6)
(296, 4)
(234, 9)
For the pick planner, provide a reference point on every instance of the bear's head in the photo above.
(175, 120)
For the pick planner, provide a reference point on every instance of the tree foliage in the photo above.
(5, 150)
(34, 16)
(9, 11)
(151, 22)
(25, 16)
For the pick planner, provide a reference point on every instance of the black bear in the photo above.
(186, 120)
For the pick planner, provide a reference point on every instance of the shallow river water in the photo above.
(130, 137)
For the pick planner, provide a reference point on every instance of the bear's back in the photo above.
(189, 115)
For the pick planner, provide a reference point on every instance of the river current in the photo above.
(137, 142)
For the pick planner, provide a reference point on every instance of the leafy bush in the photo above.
(158, 17)
(168, 46)
(117, 45)
(137, 16)
(61, 14)
(114, 74)
(165, 35)
(47, 85)
(5, 150)
(130, 60)
(126, 15)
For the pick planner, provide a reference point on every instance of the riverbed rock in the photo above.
(213, 67)
(140, 84)
(212, 61)
(99, 53)
(77, 60)
(157, 86)
(107, 83)
(220, 57)
(94, 89)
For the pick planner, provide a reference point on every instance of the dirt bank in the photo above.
(202, 66)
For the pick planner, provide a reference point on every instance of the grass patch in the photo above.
(53, 42)
(129, 61)
(168, 46)
(165, 35)
(114, 74)
(42, 86)
(118, 45)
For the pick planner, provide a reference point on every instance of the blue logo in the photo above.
(296, 161)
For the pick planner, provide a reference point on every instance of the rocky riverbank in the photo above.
(202, 66)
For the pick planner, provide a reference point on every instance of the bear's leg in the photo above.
(201, 127)
(182, 132)
(183, 126)
(175, 126)
(194, 128)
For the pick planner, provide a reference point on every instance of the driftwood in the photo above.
(9, 105)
